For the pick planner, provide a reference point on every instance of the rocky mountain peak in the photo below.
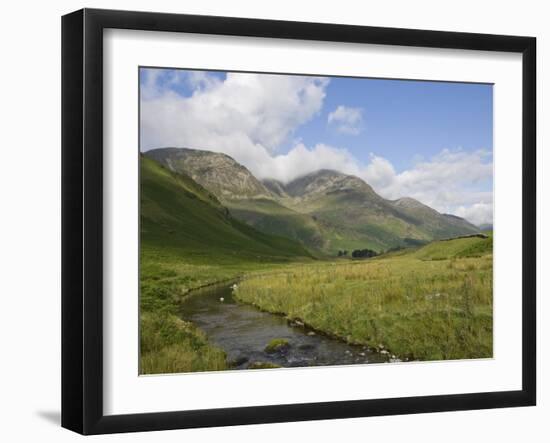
(326, 181)
(217, 172)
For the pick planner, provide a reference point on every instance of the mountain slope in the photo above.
(218, 173)
(352, 211)
(325, 210)
(358, 214)
(178, 213)
(439, 225)
(267, 215)
(246, 197)
(275, 186)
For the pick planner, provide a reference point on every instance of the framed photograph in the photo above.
(269, 221)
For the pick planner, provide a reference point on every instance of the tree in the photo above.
(363, 253)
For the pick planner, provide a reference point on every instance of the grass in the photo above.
(263, 365)
(432, 303)
(276, 344)
(169, 344)
(189, 240)
(269, 216)
(461, 247)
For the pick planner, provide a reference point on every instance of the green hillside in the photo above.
(269, 216)
(325, 211)
(353, 215)
(179, 215)
(433, 223)
(189, 240)
(456, 248)
(354, 219)
(238, 190)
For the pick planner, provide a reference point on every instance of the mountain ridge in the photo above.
(178, 213)
(325, 210)
(211, 169)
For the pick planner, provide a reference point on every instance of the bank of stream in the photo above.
(243, 332)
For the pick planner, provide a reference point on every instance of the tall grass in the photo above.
(169, 344)
(419, 309)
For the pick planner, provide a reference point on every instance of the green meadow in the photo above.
(430, 304)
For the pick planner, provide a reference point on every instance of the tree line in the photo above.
(358, 253)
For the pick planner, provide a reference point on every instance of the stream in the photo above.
(243, 332)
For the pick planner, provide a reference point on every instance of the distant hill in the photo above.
(325, 210)
(356, 213)
(178, 213)
(456, 248)
(437, 224)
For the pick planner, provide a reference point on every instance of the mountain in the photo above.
(218, 173)
(357, 213)
(326, 210)
(246, 197)
(275, 186)
(439, 225)
(326, 181)
(179, 214)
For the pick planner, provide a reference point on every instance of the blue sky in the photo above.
(427, 140)
(403, 120)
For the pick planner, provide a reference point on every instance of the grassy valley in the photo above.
(427, 302)
(189, 240)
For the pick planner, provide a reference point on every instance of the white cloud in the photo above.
(478, 213)
(379, 173)
(444, 173)
(242, 112)
(451, 182)
(248, 117)
(346, 120)
(301, 160)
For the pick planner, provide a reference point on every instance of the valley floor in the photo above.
(169, 344)
(415, 309)
(432, 303)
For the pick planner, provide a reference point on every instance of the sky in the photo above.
(432, 141)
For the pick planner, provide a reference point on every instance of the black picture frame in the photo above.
(82, 218)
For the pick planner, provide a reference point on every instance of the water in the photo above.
(243, 332)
